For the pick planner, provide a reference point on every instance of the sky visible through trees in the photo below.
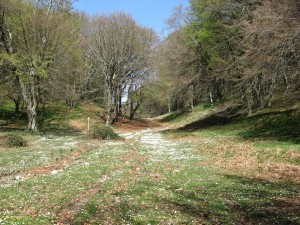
(215, 52)
(104, 119)
(152, 14)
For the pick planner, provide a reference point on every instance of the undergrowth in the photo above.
(13, 140)
(103, 133)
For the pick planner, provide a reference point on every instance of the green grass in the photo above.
(180, 118)
(42, 150)
(54, 120)
(129, 182)
(275, 151)
(274, 127)
(51, 193)
(144, 188)
(281, 126)
(190, 195)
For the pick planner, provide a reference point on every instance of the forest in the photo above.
(245, 53)
(204, 121)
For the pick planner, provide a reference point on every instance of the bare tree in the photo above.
(271, 58)
(118, 50)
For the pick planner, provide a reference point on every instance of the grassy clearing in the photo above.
(200, 176)
(48, 195)
(134, 182)
(265, 145)
(182, 192)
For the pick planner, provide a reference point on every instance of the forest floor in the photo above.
(157, 174)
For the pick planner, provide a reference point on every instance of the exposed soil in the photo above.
(135, 125)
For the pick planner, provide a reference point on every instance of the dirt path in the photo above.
(138, 125)
(146, 177)
(155, 148)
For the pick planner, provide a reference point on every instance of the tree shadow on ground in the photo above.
(276, 125)
(265, 202)
(60, 129)
(281, 126)
(241, 200)
(10, 117)
(174, 116)
(209, 121)
(219, 118)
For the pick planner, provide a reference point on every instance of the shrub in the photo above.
(13, 140)
(103, 133)
(3, 122)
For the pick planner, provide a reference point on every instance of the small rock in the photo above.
(53, 172)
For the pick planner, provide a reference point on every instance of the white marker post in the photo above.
(88, 125)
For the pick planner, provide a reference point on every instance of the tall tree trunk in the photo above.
(117, 103)
(133, 109)
(109, 102)
(169, 105)
(32, 119)
(191, 97)
(211, 98)
(30, 100)
(17, 102)
(120, 101)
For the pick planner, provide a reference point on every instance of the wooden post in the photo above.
(88, 125)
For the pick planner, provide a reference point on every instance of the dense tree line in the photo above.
(51, 53)
(241, 52)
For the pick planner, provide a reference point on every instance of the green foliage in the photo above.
(6, 58)
(103, 133)
(13, 140)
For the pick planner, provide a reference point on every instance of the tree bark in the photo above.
(109, 101)
(30, 100)
(17, 102)
(133, 110)
(211, 98)
(169, 105)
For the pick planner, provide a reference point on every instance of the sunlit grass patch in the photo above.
(271, 154)
(20, 220)
(186, 193)
(54, 191)
(41, 150)
(210, 176)
(181, 118)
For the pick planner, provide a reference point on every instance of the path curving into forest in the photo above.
(147, 146)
